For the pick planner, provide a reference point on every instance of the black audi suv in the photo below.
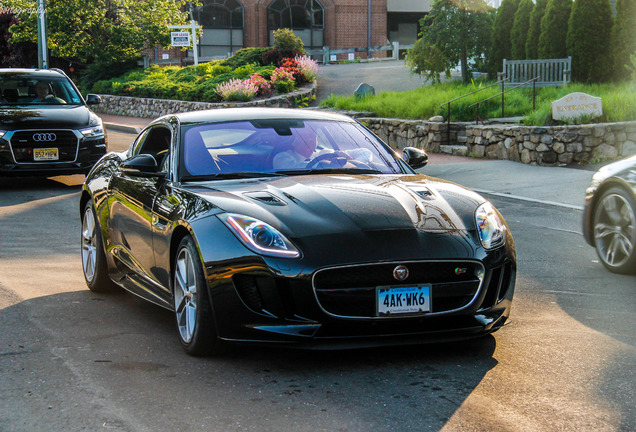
(46, 126)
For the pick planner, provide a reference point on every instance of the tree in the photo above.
(624, 38)
(520, 27)
(501, 31)
(534, 30)
(452, 32)
(554, 30)
(588, 41)
(99, 31)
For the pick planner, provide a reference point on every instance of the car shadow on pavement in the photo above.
(19, 190)
(127, 346)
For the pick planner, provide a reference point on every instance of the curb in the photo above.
(122, 128)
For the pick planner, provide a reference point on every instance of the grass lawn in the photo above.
(619, 102)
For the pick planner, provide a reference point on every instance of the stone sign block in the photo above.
(363, 90)
(576, 105)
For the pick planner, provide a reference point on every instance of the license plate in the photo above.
(45, 154)
(404, 300)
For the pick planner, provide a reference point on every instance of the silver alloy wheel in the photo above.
(614, 227)
(185, 295)
(89, 248)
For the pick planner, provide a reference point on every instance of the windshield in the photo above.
(34, 90)
(282, 146)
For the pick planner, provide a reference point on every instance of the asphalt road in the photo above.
(71, 360)
(343, 79)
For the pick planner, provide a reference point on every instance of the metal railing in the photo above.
(448, 104)
(503, 99)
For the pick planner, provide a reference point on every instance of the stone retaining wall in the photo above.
(152, 108)
(545, 145)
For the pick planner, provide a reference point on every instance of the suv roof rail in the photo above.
(58, 70)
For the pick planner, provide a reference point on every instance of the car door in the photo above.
(131, 202)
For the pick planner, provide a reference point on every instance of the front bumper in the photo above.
(88, 151)
(253, 304)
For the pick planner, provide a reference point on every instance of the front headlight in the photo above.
(260, 237)
(2, 133)
(93, 131)
(492, 231)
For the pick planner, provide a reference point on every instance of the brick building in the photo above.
(229, 25)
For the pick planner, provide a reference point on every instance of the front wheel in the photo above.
(615, 231)
(193, 312)
(93, 255)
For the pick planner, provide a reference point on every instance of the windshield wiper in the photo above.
(225, 176)
(330, 171)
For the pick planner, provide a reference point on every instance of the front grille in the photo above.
(23, 143)
(351, 291)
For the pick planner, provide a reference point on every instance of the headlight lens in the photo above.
(490, 226)
(93, 132)
(2, 133)
(260, 237)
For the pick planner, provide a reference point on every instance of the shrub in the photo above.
(624, 38)
(283, 79)
(534, 30)
(501, 47)
(237, 90)
(520, 27)
(588, 42)
(308, 68)
(264, 88)
(554, 28)
(285, 39)
(275, 57)
(246, 56)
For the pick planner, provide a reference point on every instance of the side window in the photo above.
(155, 142)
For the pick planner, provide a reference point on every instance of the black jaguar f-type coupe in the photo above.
(293, 227)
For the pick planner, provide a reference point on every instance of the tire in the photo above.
(615, 231)
(193, 312)
(93, 256)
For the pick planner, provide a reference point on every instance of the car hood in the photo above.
(50, 116)
(313, 205)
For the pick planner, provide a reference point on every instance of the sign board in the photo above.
(333, 57)
(352, 56)
(180, 38)
(577, 105)
(165, 56)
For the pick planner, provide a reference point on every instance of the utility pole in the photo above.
(43, 52)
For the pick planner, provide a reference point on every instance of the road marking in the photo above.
(532, 200)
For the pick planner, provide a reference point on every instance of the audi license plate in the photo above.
(46, 154)
(404, 300)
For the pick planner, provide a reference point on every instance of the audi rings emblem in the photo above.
(400, 273)
(44, 137)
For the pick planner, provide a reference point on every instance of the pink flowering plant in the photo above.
(264, 88)
(237, 90)
(308, 68)
(283, 79)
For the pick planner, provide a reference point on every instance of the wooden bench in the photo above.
(552, 72)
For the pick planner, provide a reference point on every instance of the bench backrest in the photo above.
(553, 72)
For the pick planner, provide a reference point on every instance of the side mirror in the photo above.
(416, 158)
(143, 165)
(93, 99)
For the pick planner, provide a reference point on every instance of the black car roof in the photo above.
(241, 114)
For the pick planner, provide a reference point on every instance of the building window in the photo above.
(304, 17)
(222, 22)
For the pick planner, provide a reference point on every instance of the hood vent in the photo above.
(265, 197)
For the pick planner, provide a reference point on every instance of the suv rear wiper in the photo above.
(329, 171)
(225, 176)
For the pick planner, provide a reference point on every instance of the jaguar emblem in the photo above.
(400, 272)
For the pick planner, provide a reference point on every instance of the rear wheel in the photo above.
(193, 312)
(93, 256)
(615, 231)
